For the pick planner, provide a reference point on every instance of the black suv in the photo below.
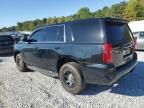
(97, 51)
(6, 44)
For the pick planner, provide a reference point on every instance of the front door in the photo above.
(30, 52)
(49, 51)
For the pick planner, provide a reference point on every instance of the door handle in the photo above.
(36, 48)
(57, 48)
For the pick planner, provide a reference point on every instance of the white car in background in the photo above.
(137, 27)
(140, 40)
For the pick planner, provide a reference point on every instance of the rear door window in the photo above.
(86, 32)
(118, 32)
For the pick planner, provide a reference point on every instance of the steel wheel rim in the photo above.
(69, 79)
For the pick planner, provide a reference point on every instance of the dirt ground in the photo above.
(35, 90)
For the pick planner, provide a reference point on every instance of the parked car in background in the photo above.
(96, 51)
(22, 36)
(139, 40)
(18, 36)
(15, 37)
(6, 44)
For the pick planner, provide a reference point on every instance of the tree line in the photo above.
(131, 10)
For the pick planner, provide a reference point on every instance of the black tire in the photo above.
(20, 63)
(77, 80)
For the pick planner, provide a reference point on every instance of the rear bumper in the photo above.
(103, 74)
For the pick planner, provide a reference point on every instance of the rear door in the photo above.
(120, 36)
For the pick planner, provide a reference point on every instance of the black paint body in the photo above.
(49, 55)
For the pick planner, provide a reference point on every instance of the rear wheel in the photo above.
(71, 78)
(20, 63)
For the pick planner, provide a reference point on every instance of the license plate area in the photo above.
(127, 54)
(126, 51)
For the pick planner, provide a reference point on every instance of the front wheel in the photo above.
(71, 78)
(20, 63)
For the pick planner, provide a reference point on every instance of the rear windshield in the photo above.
(86, 32)
(118, 32)
(6, 39)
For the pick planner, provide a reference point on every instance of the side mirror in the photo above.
(25, 39)
(30, 40)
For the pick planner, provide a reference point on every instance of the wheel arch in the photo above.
(64, 60)
(15, 53)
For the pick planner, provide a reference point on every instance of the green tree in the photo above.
(134, 10)
(139, 10)
(54, 20)
(13, 28)
(44, 21)
(129, 13)
(117, 9)
(49, 20)
(107, 12)
(99, 13)
(61, 19)
(130, 10)
(37, 23)
(83, 13)
(69, 18)
(19, 26)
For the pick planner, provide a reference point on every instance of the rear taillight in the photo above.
(134, 43)
(107, 53)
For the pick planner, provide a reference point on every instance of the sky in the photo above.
(13, 11)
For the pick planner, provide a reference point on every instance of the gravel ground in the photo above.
(35, 90)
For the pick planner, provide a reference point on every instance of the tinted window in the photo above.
(6, 39)
(38, 36)
(54, 33)
(60, 36)
(88, 31)
(117, 32)
(141, 34)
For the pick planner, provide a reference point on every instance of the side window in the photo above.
(60, 35)
(54, 33)
(37, 36)
(86, 32)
